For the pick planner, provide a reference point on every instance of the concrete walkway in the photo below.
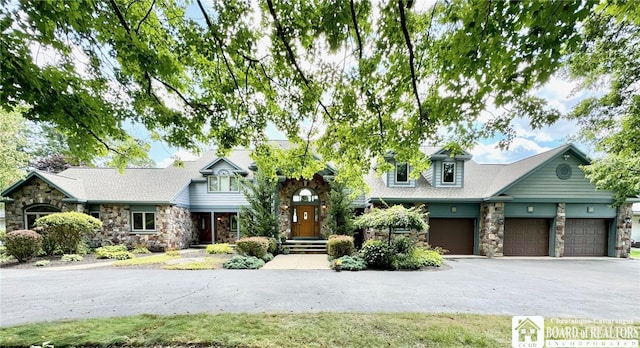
(298, 261)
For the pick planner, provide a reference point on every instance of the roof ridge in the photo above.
(539, 154)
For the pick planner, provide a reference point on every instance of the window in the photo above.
(95, 214)
(448, 172)
(234, 223)
(305, 195)
(31, 214)
(223, 182)
(144, 221)
(402, 172)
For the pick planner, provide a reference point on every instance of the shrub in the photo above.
(42, 263)
(273, 245)
(267, 257)
(140, 250)
(172, 252)
(3, 235)
(83, 247)
(243, 262)
(71, 258)
(402, 244)
(349, 263)
(67, 229)
(118, 252)
(48, 243)
(23, 244)
(253, 246)
(223, 248)
(428, 257)
(339, 246)
(377, 254)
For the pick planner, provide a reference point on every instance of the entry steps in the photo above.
(302, 246)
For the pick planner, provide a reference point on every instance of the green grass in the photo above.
(271, 330)
(635, 254)
(208, 263)
(146, 260)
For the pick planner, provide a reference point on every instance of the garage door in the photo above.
(455, 235)
(526, 237)
(585, 237)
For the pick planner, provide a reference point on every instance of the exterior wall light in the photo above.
(530, 209)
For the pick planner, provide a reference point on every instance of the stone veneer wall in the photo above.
(623, 231)
(285, 193)
(561, 220)
(223, 228)
(173, 228)
(492, 229)
(36, 192)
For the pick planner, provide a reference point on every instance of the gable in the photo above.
(559, 178)
(222, 164)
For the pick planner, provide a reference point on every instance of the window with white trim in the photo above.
(143, 221)
(402, 172)
(95, 214)
(223, 182)
(448, 172)
(35, 212)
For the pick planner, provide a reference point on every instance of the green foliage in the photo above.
(118, 252)
(253, 246)
(221, 248)
(49, 245)
(243, 262)
(259, 219)
(42, 263)
(12, 142)
(23, 244)
(3, 233)
(396, 216)
(140, 250)
(267, 257)
(83, 247)
(71, 257)
(402, 244)
(339, 246)
(172, 252)
(348, 263)
(67, 229)
(428, 257)
(341, 216)
(377, 254)
(273, 245)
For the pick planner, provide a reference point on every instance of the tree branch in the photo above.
(145, 16)
(89, 130)
(354, 19)
(407, 39)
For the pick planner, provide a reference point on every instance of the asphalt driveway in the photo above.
(604, 288)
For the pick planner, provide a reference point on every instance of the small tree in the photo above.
(341, 216)
(67, 229)
(396, 216)
(258, 219)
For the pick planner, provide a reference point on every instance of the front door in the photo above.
(204, 226)
(305, 224)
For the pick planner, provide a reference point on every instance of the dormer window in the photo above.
(402, 172)
(448, 173)
(223, 182)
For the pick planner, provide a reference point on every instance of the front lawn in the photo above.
(271, 330)
(635, 254)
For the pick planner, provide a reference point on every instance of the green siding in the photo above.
(540, 210)
(581, 211)
(143, 208)
(544, 184)
(391, 178)
(463, 210)
(437, 174)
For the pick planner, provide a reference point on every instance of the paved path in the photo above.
(603, 288)
(298, 261)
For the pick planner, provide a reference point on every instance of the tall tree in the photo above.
(13, 159)
(259, 219)
(352, 78)
(341, 216)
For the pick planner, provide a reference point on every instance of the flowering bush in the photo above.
(339, 246)
(377, 254)
(253, 246)
(23, 244)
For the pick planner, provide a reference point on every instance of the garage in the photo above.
(586, 237)
(526, 237)
(455, 235)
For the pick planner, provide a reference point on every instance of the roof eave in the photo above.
(29, 176)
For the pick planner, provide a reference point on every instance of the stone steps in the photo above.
(300, 246)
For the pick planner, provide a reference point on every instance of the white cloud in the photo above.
(520, 148)
(180, 154)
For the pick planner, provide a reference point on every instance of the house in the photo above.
(542, 205)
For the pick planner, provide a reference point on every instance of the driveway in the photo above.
(596, 289)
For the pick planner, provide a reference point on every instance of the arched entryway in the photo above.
(305, 214)
(32, 213)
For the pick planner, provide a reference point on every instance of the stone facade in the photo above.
(34, 193)
(623, 231)
(491, 229)
(561, 219)
(223, 231)
(285, 194)
(173, 228)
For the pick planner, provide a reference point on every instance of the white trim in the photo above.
(406, 173)
(144, 228)
(219, 178)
